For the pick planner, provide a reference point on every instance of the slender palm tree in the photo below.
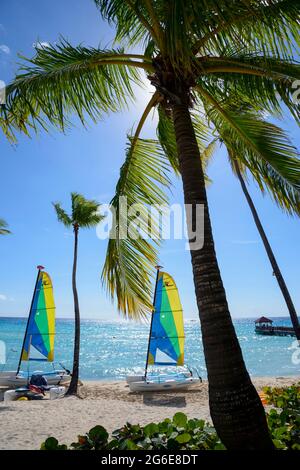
(84, 214)
(276, 270)
(3, 228)
(241, 158)
(195, 54)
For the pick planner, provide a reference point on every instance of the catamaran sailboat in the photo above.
(166, 341)
(38, 343)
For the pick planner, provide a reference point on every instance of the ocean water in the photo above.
(111, 350)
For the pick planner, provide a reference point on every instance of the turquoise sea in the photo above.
(111, 350)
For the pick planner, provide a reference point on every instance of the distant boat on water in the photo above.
(38, 343)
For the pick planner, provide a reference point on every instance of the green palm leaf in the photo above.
(3, 228)
(130, 18)
(266, 26)
(262, 148)
(283, 193)
(264, 139)
(129, 263)
(61, 80)
(266, 82)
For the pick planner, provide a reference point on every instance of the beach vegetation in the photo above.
(203, 59)
(182, 433)
(284, 419)
(179, 433)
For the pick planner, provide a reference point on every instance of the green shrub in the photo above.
(182, 433)
(284, 421)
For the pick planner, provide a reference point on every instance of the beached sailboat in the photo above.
(38, 343)
(166, 342)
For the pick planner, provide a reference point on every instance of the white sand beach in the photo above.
(25, 424)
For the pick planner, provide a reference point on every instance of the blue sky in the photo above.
(48, 167)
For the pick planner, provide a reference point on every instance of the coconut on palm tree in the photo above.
(3, 228)
(84, 214)
(195, 54)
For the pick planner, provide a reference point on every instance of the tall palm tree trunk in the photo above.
(75, 374)
(274, 264)
(235, 407)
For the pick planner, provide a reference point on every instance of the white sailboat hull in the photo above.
(169, 384)
(10, 379)
(151, 377)
(134, 378)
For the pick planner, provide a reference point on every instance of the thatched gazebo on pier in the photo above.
(263, 322)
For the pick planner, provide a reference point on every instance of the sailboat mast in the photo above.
(40, 268)
(151, 324)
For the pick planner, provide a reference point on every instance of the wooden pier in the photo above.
(263, 326)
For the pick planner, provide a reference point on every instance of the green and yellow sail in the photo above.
(167, 333)
(40, 332)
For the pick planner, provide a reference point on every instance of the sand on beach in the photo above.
(26, 424)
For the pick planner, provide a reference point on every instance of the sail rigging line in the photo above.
(151, 324)
(28, 320)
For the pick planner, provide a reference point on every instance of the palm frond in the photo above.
(131, 257)
(268, 27)
(207, 155)
(250, 63)
(130, 18)
(263, 138)
(166, 137)
(3, 227)
(85, 212)
(61, 80)
(262, 148)
(281, 191)
(62, 216)
(266, 82)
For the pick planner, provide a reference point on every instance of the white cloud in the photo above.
(3, 297)
(40, 45)
(4, 48)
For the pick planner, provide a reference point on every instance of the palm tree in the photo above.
(195, 54)
(3, 228)
(276, 270)
(241, 158)
(84, 214)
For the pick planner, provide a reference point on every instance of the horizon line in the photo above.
(126, 319)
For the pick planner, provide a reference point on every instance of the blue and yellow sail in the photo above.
(166, 345)
(40, 333)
